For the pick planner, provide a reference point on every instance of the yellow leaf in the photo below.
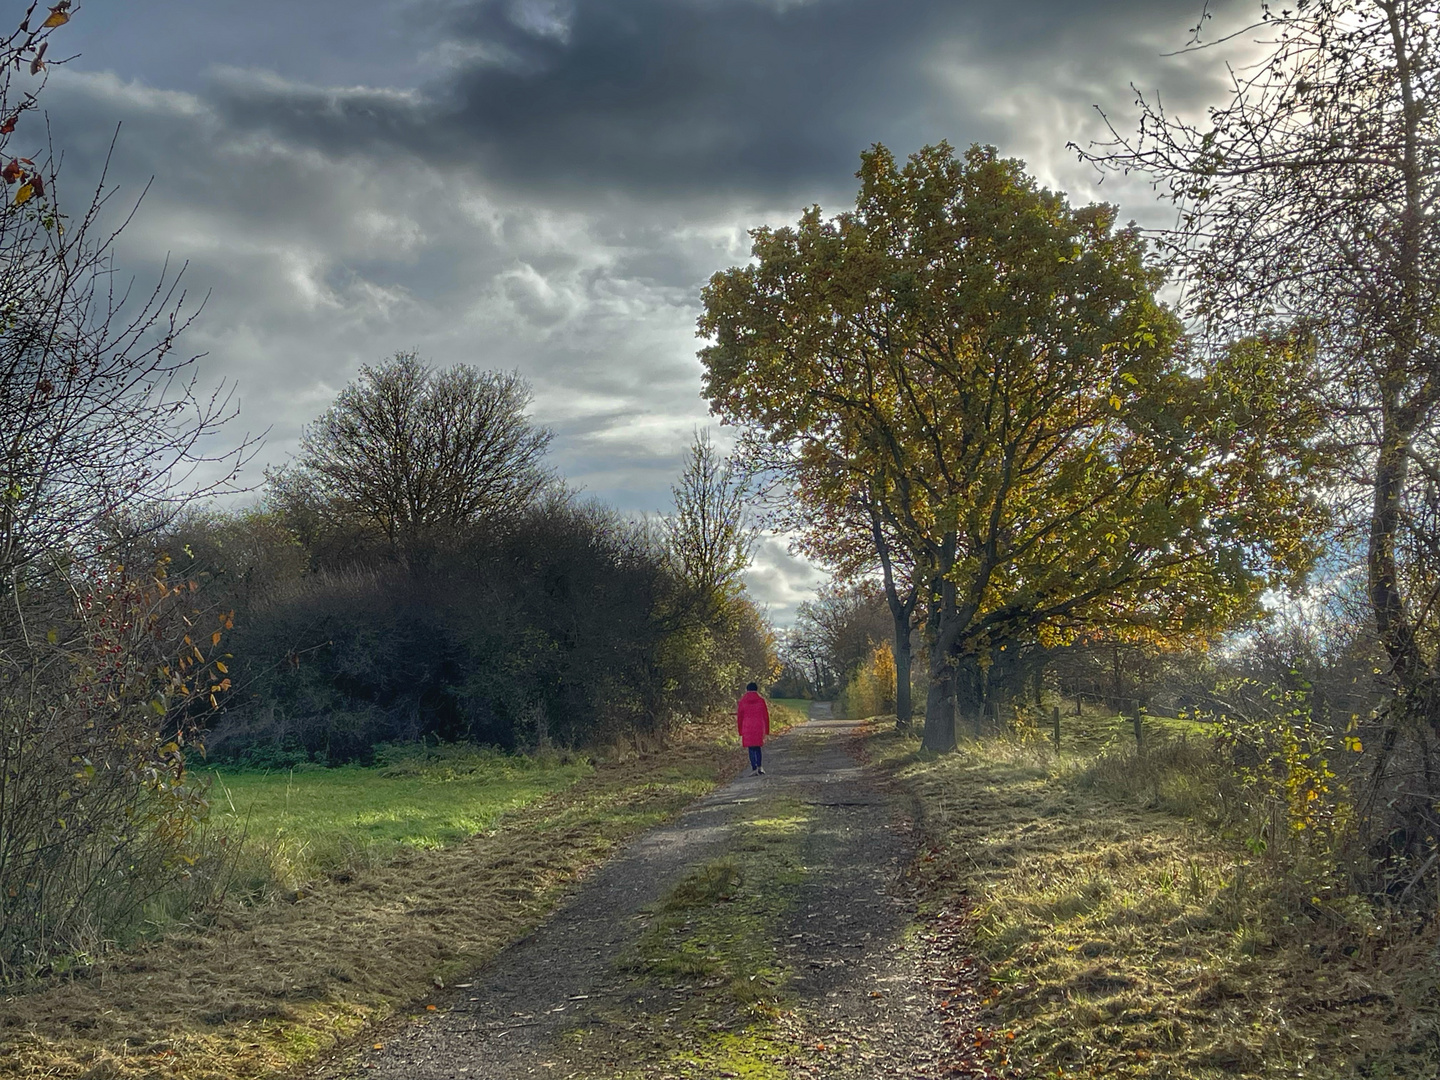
(23, 195)
(213, 703)
(221, 668)
(1115, 401)
(57, 18)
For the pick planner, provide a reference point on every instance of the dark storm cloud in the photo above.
(710, 99)
(665, 97)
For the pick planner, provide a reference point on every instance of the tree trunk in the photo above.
(940, 708)
(901, 610)
(1391, 620)
(904, 709)
(943, 626)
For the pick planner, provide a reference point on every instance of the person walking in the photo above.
(752, 719)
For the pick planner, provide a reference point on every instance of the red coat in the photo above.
(752, 719)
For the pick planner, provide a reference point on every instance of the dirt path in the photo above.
(766, 924)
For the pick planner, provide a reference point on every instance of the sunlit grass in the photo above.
(798, 705)
(315, 820)
(1128, 935)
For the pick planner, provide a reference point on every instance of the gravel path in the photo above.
(857, 988)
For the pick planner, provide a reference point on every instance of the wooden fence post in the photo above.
(1139, 728)
(1055, 719)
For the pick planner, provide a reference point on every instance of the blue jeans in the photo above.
(754, 756)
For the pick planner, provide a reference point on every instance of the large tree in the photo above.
(991, 365)
(1311, 196)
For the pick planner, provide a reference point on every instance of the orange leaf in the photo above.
(12, 172)
(215, 638)
(9, 124)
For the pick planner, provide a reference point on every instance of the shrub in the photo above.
(870, 690)
(98, 814)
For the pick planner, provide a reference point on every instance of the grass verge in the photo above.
(1125, 939)
(270, 987)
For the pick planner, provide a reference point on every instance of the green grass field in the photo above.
(310, 821)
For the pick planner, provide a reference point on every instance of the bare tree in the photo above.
(415, 453)
(709, 538)
(99, 413)
(103, 425)
(1310, 198)
(839, 628)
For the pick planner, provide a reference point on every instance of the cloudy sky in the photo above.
(545, 185)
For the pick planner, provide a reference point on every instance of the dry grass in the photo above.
(268, 988)
(1127, 940)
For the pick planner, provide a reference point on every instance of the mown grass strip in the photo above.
(1124, 941)
(708, 965)
(266, 989)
